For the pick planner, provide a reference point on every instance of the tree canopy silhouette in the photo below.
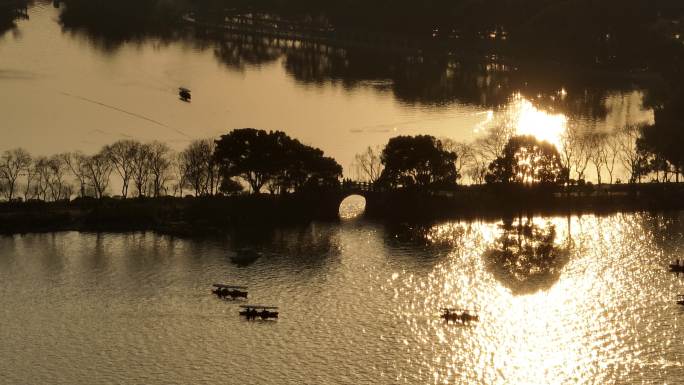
(274, 160)
(419, 161)
(526, 160)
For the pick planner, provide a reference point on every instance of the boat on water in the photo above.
(458, 315)
(232, 291)
(252, 312)
(677, 267)
(184, 94)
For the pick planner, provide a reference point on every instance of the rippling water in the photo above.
(359, 304)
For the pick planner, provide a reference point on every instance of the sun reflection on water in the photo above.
(594, 323)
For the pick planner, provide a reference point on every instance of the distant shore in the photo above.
(192, 216)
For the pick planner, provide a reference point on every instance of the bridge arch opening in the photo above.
(352, 207)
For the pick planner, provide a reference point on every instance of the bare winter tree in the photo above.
(31, 175)
(12, 164)
(196, 161)
(180, 173)
(213, 181)
(492, 144)
(628, 153)
(611, 154)
(477, 170)
(141, 167)
(570, 146)
(50, 181)
(122, 155)
(160, 167)
(581, 154)
(42, 179)
(77, 164)
(465, 154)
(368, 164)
(597, 142)
(97, 170)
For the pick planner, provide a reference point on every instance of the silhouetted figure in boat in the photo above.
(184, 94)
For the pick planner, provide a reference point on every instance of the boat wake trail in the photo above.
(127, 113)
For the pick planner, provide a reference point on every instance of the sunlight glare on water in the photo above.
(592, 316)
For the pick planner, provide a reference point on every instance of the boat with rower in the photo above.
(458, 315)
(232, 291)
(259, 311)
(184, 94)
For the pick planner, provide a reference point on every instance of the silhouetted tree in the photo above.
(368, 164)
(274, 159)
(230, 187)
(141, 169)
(122, 155)
(575, 150)
(418, 161)
(466, 154)
(93, 172)
(160, 166)
(249, 154)
(527, 160)
(197, 164)
(12, 164)
(628, 152)
(51, 178)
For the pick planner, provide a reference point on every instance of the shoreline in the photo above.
(192, 217)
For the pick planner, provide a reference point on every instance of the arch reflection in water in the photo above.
(601, 315)
(352, 207)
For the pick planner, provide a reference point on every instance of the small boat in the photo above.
(680, 300)
(457, 315)
(224, 291)
(184, 94)
(252, 312)
(677, 267)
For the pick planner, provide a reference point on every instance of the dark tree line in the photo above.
(10, 12)
(255, 158)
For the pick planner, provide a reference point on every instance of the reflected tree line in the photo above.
(433, 76)
(241, 159)
(627, 35)
(525, 257)
(11, 11)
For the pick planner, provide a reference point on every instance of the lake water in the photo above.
(66, 88)
(561, 300)
(359, 304)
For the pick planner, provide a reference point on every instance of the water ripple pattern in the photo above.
(584, 300)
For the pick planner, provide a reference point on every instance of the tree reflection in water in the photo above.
(526, 257)
(12, 11)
